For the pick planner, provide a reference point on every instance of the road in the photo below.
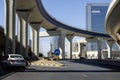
(71, 71)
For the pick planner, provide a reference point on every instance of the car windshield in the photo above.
(16, 56)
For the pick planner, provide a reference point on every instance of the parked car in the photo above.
(14, 60)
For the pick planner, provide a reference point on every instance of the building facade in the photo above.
(95, 18)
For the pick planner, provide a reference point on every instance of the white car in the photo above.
(14, 60)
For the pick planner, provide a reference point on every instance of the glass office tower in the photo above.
(95, 16)
(95, 19)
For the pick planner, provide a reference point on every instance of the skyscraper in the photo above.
(95, 18)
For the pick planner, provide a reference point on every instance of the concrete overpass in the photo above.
(33, 12)
(113, 21)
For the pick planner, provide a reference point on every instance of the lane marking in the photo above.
(84, 75)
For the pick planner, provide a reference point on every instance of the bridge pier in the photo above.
(82, 50)
(62, 42)
(70, 38)
(10, 19)
(110, 44)
(35, 39)
(23, 16)
(99, 42)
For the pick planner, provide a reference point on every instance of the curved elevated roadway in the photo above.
(40, 15)
(113, 20)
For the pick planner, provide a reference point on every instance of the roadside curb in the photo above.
(8, 74)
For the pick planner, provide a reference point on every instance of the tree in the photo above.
(2, 40)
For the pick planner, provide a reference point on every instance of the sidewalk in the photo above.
(113, 64)
(105, 62)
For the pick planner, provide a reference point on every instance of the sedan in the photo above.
(14, 60)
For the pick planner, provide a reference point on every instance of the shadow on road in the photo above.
(5, 73)
(111, 68)
(67, 71)
(100, 63)
(8, 72)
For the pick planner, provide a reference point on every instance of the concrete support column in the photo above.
(110, 44)
(70, 38)
(82, 50)
(62, 42)
(23, 31)
(10, 8)
(79, 48)
(20, 40)
(99, 49)
(35, 40)
(118, 39)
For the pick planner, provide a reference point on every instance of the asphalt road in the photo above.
(71, 71)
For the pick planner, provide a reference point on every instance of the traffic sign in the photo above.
(57, 52)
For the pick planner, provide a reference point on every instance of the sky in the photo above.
(71, 12)
(2, 13)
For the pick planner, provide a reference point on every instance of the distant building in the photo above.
(95, 16)
(54, 43)
(95, 19)
(75, 47)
